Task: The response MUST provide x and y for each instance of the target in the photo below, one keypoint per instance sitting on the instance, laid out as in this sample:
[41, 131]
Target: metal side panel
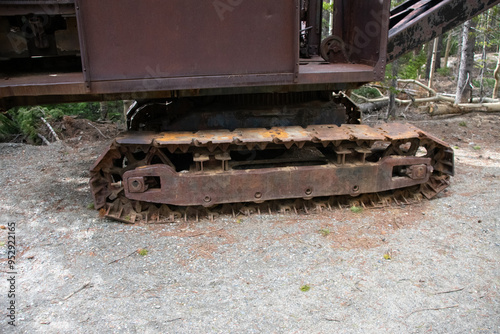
[150, 39]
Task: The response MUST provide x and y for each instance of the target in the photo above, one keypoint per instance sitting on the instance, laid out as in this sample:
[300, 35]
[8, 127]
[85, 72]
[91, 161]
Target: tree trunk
[104, 110]
[484, 29]
[330, 25]
[394, 86]
[429, 60]
[447, 50]
[459, 52]
[469, 61]
[433, 61]
[496, 75]
[483, 67]
[462, 72]
[438, 52]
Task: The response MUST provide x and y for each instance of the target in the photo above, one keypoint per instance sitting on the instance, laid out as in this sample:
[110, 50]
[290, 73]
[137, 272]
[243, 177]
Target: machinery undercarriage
[166, 176]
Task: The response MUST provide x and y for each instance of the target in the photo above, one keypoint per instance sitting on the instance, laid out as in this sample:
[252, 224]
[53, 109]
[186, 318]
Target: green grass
[444, 71]
[305, 288]
[487, 82]
[356, 209]
[324, 232]
[368, 92]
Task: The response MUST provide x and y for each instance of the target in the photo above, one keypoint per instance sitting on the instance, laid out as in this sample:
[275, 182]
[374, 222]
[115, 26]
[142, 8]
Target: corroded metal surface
[208, 188]
[277, 55]
[140, 175]
[192, 48]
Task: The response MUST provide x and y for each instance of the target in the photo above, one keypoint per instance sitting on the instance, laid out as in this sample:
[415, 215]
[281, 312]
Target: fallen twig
[450, 291]
[46, 142]
[301, 241]
[51, 129]
[15, 138]
[334, 320]
[396, 223]
[432, 309]
[202, 233]
[123, 257]
[95, 127]
[86, 285]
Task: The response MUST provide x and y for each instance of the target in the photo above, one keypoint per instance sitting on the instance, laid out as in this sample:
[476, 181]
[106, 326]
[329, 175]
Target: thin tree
[463, 76]
[459, 51]
[429, 48]
[496, 75]
[103, 106]
[433, 60]
[484, 31]
[447, 50]
[393, 89]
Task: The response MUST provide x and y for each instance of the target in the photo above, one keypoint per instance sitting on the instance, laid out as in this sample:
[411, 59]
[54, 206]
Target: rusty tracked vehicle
[239, 104]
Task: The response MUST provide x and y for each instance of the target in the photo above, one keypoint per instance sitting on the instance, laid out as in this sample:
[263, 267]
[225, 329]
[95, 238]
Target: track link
[165, 177]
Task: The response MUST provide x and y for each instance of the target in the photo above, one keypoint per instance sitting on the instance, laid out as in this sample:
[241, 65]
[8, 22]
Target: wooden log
[462, 108]
[443, 109]
[485, 107]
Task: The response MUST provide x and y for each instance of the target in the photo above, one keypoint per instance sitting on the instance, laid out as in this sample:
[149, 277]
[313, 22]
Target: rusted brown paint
[210, 188]
[149, 49]
[315, 133]
[155, 56]
[228, 184]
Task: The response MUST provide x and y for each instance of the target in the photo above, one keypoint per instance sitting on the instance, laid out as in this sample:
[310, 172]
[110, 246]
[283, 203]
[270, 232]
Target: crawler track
[164, 177]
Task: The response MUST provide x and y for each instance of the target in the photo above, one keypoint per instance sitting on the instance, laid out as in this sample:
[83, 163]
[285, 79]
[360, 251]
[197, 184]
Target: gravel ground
[431, 267]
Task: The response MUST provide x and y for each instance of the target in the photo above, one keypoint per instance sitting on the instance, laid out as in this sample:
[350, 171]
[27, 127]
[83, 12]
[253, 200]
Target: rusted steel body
[159, 49]
[346, 160]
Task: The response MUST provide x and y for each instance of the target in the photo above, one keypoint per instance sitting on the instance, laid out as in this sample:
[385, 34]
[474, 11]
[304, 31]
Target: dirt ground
[431, 267]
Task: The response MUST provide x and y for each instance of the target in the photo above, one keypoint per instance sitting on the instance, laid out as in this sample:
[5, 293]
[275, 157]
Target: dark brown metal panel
[149, 48]
[417, 22]
[136, 39]
[359, 35]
